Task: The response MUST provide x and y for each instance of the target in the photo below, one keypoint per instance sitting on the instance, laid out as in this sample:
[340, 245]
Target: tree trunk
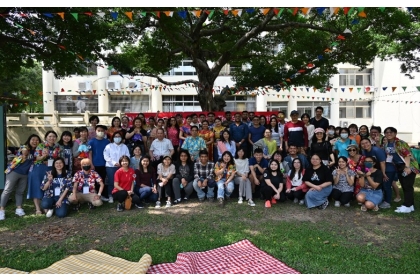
[207, 101]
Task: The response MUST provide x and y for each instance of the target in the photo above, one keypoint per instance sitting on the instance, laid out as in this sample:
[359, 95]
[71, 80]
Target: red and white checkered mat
[242, 257]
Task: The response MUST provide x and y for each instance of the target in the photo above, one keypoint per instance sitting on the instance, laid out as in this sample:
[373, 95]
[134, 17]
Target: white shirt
[113, 152]
[161, 148]
[242, 166]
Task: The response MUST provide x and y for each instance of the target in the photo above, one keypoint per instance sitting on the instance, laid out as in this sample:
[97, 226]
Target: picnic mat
[242, 257]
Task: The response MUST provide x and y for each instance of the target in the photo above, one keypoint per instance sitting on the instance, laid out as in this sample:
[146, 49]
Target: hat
[167, 156]
[294, 112]
[319, 129]
[352, 146]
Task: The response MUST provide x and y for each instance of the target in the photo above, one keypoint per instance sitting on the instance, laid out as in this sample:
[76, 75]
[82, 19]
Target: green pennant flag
[110, 67]
[18, 25]
[361, 9]
[332, 99]
[404, 88]
[358, 89]
[282, 96]
[418, 88]
[211, 14]
[76, 16]
[143, 14]
[280, 12]
[71, 52]
[351, 10]
[333, 44]
[382, 9]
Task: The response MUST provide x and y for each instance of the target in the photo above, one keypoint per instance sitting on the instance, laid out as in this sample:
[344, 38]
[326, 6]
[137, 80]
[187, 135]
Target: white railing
[57, 119]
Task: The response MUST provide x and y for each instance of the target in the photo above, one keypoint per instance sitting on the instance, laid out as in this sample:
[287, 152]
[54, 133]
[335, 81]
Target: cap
[352, 146]
[319, 129]
[294, 112]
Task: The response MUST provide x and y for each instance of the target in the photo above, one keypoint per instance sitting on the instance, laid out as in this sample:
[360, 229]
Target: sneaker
[91, 206]
[157, 204]
[201, 200]
[403, 209]
[221, 202]
[111, 199]
[103, 198]
[251, 203]
[273, 201]
[363, 208]
[376, 208]
[2, 215]
[411, 207]
[140, 205]
[347, 204]
[185, 198]
[397, 199]
[267, 204]
[20, 212]
[384, 205]
[49, 213]
[337, 203]
[177, 201]
[120, 207]
[295, 200]
[323, 205]
[210, 199]
[168, 204]
[241, 200]
[301, 202]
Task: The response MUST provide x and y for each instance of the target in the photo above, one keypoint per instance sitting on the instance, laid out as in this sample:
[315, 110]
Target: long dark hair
[223, 138]
[240, 149]
[231, 161]
[293, 170]
[66, 133]
[276, 127]
[113, 119]
[168, 124]
[183, 151]
[54, 171]
[150, 168]
[27, 143]
[277, 170]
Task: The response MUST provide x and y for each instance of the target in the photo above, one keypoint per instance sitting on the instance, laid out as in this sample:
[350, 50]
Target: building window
[239, 103]
[309, 108]
[355, 109]
[277, 106]
[354, 77]
[76, 103]
[129, 103]
[180, 103]
[187, 63]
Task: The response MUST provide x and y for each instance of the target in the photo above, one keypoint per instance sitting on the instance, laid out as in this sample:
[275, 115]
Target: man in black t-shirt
[319, 120]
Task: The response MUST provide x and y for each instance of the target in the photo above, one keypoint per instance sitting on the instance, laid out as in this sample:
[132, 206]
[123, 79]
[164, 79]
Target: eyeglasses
[388, 132]
[352, 150]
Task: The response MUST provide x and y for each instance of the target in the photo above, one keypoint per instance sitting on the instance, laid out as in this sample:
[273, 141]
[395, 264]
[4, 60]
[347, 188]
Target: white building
[378, 95]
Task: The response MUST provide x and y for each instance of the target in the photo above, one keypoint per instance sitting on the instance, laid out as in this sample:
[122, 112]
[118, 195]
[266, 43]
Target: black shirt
[318, 176]
[323, 149]
[377, 177]
[275, 179]
[323, 123]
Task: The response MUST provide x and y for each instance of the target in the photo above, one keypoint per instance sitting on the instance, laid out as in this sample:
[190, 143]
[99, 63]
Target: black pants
[102, 172]
[407, 184]
[167, 188]
[120, 196]
[155, 162]
[268, 193]
[343, 197]
[296, 194]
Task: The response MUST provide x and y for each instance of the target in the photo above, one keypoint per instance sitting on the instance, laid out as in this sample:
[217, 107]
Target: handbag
[128, 202]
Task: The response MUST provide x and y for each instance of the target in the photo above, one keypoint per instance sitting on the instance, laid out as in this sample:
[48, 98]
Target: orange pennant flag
[129, 15]
[314, 89]
[305, 11]
[362, 14]
[167, 13]
[32, 32]
[81, 58]
[336, 10]
[235, 12]
[393, 88]
[198, 13]
[327, 50]
[351, 89]
[61, 15]
[265, 11]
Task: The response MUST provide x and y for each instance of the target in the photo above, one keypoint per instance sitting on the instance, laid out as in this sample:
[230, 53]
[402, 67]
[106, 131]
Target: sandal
[38, 212]
[363, 208]
[376, 208]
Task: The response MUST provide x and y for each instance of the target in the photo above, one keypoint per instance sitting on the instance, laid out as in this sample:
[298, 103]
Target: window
[187, 63]
[354, 77]
[178, 73]
[189, 73]
[355, 109]
[277, 106]
[240, 103]
[309, 108]
[129, 103]
[180, 103]
[76, 103]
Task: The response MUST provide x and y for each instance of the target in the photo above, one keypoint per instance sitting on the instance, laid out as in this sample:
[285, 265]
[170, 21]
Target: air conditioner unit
[113, 85]
[345, 124]
[134, 85]
[84, 86]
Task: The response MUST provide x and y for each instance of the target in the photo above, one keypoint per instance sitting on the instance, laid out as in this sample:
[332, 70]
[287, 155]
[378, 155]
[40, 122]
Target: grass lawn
[336, 240]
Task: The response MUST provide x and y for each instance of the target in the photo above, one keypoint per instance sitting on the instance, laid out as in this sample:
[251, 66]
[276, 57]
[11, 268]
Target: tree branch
[190, 81]
[277, 27]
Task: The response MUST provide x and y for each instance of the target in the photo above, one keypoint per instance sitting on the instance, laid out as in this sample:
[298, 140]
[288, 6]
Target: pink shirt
[173, 135]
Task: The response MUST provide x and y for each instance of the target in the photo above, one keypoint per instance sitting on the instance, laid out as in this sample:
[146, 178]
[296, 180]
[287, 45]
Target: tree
[154, 42]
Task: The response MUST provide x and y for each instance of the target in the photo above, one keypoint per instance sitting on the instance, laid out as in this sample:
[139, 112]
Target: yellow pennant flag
[129, 15]
[61, 15]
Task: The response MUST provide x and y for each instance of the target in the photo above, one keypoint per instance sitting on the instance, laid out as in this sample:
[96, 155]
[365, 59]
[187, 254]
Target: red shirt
[125, 179]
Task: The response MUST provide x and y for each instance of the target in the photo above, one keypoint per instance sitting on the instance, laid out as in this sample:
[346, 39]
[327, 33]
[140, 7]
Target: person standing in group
[93, 120]
[17, 175]
[225, 144]
[275, 133]
[228, 119]
[241, 177]
[343, 185]
[185, 131]
[135, 159]
[295, 186]
[309, 127]
[354, 133]
[80, 149]
[210, 119]
[295, 132]
[115, 126]
[225, 170]
[208, 137]
[136, 136]
[370, 195]
[66, 146]
[76, 133]
[172, 131]
[245, 119]
[56, 186]
[195, 121]
[112, 154]
[204, 177]
[160, 148]
[331, 137]
[272, 186]
[124, 181]
[267, 144]
[319, 179]
[217, 129]
[194, 144]
[125, 123]
[399, 154]
[45, 154]
[319, 120]
[294, 154]
[322, 147]
[239, 133]
[256, 131]
[96, 156]
[340, 146]
[282, 123]
[184, 177]
[355, 162]
[363, 131]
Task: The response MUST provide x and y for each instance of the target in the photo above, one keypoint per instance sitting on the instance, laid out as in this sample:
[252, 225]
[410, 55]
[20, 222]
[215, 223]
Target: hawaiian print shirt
[59, 182]
[226, 174]
[88, 180]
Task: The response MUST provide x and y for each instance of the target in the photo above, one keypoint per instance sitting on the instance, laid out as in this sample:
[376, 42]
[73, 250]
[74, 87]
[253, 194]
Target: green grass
[336, 240]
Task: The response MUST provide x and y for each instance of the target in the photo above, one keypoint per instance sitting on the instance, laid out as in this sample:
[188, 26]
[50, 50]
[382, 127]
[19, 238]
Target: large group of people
[305, 160]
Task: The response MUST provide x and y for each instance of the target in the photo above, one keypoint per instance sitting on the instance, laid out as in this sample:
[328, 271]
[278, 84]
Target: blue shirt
[302, 158]
[342, 146]
[263, 163]
[238, 132]
[97, 148]
[23, 168]
[256, 133]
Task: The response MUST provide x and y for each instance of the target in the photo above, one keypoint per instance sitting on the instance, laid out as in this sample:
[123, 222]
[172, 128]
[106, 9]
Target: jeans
[146, 193]
[223, 190]
[200, 191]
[110, 172]
[387, 186]
[49, 203]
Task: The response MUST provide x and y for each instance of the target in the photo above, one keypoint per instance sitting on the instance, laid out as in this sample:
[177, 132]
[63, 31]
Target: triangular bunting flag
[320, 10]
[76, 16]
[265, 11]
[101, 14]
[384, 88]
[61, 15]
[280, 12]
[307, 89]
[114, 15]
[226, 12]
[183, 14]
[351, 89]
[343, 89]
[358, 89]
[305, 11]
[197, 13]
[362, 14]
[404, 88]
[48, 15]
[418, 88]
[129, 15]
[211, 14]
[393, 88]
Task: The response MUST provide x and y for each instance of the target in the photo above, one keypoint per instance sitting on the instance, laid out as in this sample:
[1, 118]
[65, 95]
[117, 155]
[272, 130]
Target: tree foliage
[152, 44]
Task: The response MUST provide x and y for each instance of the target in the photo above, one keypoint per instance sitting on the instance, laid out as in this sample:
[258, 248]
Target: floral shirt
[226, 174]
[342, 184]
[194, 145]
[86, 180]
[403, 150]
[58, 186]
[54, 152]
[217, 131]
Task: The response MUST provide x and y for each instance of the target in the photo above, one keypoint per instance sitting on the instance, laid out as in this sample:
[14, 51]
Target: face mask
[344, 135]
[368, 164]
[100, 134]
[363, 134]
[86, 167]
[117, 140]
[331, 132]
